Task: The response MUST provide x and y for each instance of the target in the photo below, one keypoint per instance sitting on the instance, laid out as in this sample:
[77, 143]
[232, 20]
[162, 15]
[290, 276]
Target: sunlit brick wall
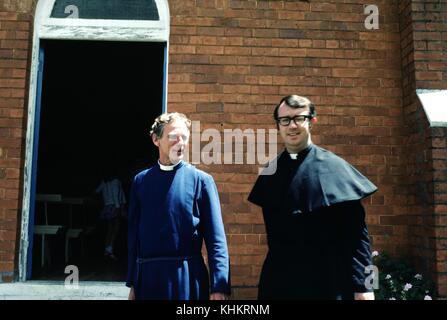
[232, 61]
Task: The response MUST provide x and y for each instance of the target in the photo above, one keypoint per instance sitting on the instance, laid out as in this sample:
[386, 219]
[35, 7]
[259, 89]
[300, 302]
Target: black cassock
[315, 223]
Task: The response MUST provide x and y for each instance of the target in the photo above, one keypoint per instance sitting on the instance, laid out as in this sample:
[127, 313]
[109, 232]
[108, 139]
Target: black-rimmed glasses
[298, 120]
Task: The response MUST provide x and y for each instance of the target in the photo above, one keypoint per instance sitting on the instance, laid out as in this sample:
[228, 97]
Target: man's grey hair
[166, 118]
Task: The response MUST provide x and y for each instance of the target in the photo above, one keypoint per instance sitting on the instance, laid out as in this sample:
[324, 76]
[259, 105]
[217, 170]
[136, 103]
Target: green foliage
[398, 281]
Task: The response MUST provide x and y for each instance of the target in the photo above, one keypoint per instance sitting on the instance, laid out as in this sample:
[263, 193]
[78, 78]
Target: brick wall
[424, 67]
[439, 154]
[417, 181]
[14, 45]
[232, 61]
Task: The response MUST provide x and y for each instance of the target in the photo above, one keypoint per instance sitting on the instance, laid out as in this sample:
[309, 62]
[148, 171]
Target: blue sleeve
[132, 236]
[215, 239]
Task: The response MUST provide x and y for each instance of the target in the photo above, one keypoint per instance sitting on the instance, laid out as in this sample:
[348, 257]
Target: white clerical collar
[167, 168]
[294, 156]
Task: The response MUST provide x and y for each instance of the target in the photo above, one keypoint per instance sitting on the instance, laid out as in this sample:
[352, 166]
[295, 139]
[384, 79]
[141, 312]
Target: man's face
[172, 144]
[295, 137]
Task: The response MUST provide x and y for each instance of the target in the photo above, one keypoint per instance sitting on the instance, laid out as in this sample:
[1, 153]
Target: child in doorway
[114, 207]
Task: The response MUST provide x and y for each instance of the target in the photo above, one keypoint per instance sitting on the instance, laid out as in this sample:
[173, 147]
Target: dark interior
[98, 102]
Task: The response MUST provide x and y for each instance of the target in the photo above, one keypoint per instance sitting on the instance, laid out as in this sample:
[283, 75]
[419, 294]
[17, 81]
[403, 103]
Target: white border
[78, 29]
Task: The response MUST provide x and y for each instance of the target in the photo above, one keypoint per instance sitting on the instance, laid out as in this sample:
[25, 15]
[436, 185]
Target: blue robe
[170, 214]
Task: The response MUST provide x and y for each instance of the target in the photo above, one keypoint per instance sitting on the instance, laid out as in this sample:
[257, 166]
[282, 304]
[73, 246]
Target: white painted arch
[46, 27]
[99, 29]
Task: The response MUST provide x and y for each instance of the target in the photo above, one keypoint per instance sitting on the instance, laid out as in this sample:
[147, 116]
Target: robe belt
[178, 258]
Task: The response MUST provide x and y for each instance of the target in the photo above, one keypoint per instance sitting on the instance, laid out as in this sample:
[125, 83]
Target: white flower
[408, 286]
[427, 297]
[375, 253]
[392, 298]
[388, 276]
[418, 276]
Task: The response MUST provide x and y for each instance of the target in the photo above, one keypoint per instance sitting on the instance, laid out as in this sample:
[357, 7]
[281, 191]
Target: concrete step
[57, 290]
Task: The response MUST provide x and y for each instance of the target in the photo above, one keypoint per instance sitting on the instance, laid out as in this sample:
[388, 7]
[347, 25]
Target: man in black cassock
[315, 222]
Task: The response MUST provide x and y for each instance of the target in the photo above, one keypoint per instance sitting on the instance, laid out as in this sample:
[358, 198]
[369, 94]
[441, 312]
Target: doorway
[98, 101]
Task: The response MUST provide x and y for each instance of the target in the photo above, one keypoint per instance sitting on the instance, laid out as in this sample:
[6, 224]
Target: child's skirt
[109, 212]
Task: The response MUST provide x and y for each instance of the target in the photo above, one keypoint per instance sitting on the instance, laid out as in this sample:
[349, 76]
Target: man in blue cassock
[317, 237]
[173, 208]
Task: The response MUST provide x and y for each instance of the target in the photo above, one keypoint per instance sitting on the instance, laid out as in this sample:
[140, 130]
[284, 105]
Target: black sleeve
[355, 240]
[257, 195]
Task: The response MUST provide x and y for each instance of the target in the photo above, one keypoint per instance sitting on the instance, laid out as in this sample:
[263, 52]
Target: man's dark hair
[295, 101]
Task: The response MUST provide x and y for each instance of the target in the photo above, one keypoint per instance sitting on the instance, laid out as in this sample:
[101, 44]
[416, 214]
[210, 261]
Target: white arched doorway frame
[45, 28]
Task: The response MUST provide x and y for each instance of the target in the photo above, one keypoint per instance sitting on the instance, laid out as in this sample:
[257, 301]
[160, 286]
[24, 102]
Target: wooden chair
[72, 232]
[47, 229]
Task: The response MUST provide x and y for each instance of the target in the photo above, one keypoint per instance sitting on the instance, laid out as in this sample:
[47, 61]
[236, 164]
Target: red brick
[7, 246]
[20, 54]
[4, 16]
[428, 75]
[12, 194]
[14, 25]
[5, 54]
[6, 235]
[440, 154]
[10, 83]
[292, 52]
[12, 93]
[14, 44]
[6, 266]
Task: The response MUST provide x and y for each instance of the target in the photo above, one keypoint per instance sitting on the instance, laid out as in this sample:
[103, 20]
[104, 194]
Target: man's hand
[131, 294]
[218, 296]
[364, 296]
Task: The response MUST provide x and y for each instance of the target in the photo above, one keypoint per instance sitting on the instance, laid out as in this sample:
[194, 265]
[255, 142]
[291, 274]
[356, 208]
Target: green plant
[399, 281]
